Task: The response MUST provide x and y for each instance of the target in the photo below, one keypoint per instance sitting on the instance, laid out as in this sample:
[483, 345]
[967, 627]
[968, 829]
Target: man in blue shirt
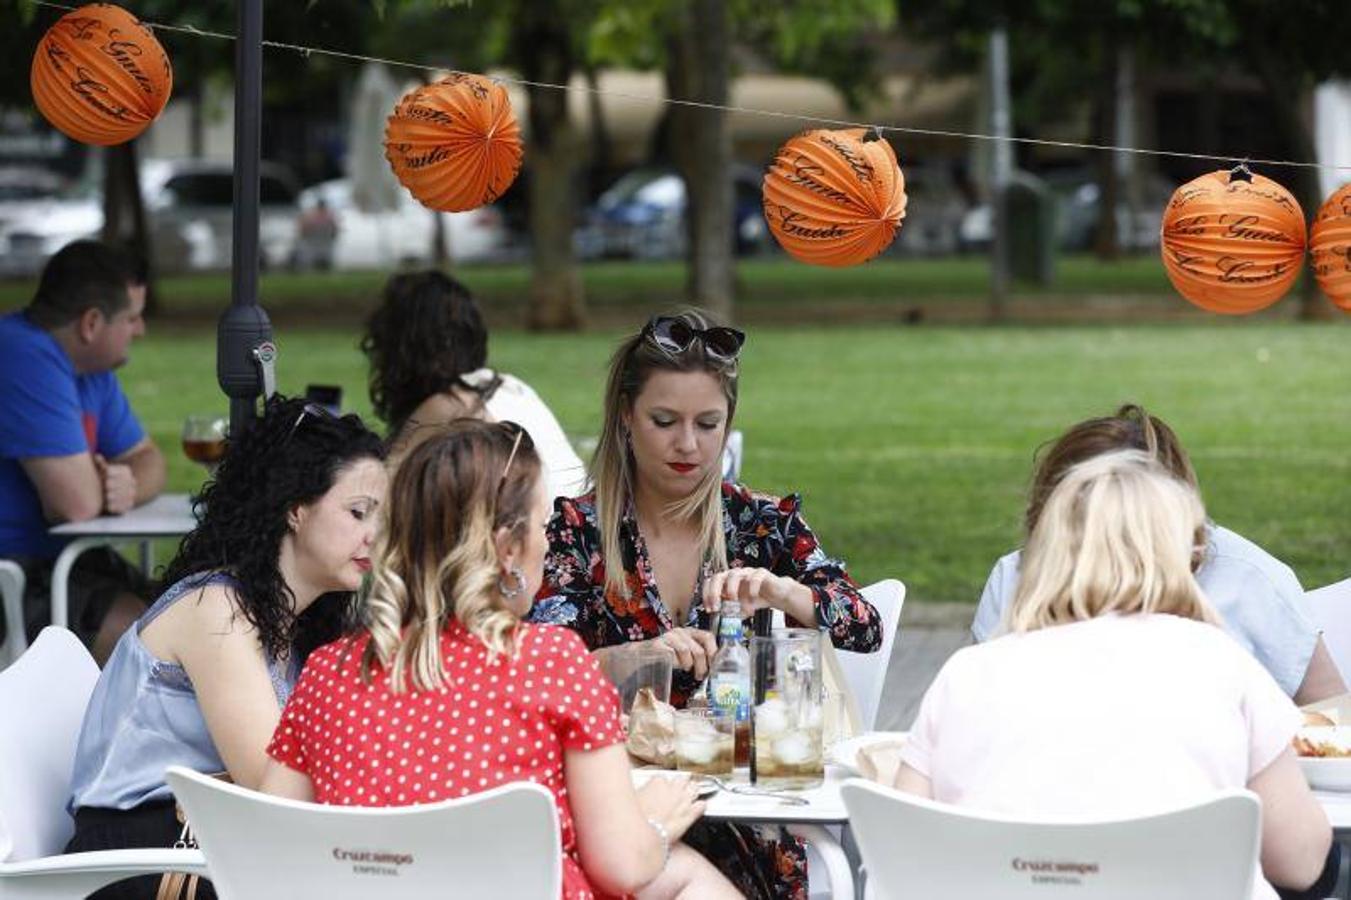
[70, 446]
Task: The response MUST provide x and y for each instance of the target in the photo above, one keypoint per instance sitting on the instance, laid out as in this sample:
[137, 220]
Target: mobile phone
[329, 396]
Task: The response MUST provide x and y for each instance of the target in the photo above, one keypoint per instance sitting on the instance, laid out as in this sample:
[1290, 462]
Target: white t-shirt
[515, 401]
[1111, 717]
[1258, 597]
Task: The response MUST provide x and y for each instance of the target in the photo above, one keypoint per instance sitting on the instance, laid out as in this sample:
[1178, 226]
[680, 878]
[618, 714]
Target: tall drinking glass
[787, 720]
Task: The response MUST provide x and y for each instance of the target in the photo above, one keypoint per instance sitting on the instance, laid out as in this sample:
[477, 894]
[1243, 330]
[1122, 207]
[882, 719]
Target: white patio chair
[867, 672]
[918, 848]
[1330, 609]
[12, 583]
[42, 701]
[500, 843]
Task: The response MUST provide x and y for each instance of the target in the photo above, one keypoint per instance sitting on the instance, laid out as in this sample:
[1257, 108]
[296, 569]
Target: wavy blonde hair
[612, 466]
[437, 557]
[1116, 534]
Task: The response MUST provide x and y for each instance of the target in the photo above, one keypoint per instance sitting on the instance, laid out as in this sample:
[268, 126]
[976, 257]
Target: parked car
[642, 216]
[334, 233]
[189, 204]
[933, 213]
[1078, 199]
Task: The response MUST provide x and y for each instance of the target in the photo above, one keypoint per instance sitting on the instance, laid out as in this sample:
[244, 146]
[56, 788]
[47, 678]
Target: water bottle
[729, 678]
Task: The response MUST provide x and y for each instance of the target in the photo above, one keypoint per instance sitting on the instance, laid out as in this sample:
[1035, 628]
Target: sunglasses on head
[520, 435]
[674, 336]
[311, 410]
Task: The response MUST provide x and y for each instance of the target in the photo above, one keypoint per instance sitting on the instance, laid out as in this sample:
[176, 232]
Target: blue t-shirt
[47, 409]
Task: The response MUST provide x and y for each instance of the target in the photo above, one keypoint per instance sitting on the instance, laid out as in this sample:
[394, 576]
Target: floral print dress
[762, 532]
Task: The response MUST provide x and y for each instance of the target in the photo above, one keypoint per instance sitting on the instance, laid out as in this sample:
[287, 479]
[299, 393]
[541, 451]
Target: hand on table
[119, 485]
[673, 802]
[693, 648]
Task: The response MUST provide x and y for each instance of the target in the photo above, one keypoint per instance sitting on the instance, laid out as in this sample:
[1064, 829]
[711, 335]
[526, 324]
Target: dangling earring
[511, 593]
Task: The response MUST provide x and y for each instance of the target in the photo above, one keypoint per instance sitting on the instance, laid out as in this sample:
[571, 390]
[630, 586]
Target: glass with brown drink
[204, 439]
[787, 718]
[704, 741]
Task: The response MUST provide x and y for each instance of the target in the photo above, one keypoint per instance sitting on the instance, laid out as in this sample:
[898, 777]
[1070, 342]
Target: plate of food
[1324, 753]
[845, 753]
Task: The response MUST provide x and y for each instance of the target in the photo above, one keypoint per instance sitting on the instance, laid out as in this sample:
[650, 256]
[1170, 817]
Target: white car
[341, 236]
[190, 205]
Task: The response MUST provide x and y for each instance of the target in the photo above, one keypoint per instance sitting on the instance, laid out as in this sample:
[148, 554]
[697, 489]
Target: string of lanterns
[1232, 242]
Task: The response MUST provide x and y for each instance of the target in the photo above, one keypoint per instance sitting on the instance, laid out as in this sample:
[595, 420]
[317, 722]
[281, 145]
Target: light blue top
[1258, 597]
[143, 717]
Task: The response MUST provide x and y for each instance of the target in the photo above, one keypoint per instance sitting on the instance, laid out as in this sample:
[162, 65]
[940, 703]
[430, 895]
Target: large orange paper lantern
[1233, 242]
[1330, 243]
[99, 75]
[455, 144]
[834, 198]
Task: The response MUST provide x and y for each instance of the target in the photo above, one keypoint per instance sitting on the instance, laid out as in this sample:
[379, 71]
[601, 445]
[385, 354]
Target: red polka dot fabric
[489, 724]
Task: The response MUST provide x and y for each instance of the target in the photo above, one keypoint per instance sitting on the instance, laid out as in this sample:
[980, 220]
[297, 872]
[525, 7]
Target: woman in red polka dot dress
[446, 692]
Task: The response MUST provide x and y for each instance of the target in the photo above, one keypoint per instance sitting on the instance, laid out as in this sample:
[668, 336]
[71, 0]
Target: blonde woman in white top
[1113, 661]
[428, 350]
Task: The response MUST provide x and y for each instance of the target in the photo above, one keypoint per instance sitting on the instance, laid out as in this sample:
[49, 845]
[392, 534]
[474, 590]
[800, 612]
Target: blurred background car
[335, 233]
[642, 216]
[1077, 202]
[188, 203]
[934, 208]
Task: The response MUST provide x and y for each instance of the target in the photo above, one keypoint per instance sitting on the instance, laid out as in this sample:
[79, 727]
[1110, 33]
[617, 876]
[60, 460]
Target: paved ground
[930, 633]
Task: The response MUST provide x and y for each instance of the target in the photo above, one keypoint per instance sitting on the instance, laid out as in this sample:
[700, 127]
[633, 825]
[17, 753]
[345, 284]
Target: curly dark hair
[426, 333]
[290, 458]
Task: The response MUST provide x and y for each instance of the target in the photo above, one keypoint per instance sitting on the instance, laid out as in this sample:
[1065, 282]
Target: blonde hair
[612, 466]
[437, 556]
[1116, 535]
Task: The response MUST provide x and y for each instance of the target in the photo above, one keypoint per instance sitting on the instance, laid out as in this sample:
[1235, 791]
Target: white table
[1337, 805]
[806, 822]
[168, 515]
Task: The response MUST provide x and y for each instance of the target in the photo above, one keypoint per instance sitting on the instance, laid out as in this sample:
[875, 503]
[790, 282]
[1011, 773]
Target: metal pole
[244, 350]
[1000, 127]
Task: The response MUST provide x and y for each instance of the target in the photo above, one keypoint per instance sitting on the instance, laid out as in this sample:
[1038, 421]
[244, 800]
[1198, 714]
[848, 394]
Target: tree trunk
[701, 145]
[543, 47]
[1106, 240]
[124, 217]
[600, 133]
[1291, 101]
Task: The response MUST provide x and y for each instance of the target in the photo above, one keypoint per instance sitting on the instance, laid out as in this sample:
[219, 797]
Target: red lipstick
[683, 468]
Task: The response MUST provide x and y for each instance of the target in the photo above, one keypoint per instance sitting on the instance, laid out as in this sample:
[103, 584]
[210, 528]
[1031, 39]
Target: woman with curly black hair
[270, 573]
[428, 350]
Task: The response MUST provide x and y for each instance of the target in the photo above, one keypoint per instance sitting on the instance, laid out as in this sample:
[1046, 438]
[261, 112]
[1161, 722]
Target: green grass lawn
[770, 289]
[913, 446]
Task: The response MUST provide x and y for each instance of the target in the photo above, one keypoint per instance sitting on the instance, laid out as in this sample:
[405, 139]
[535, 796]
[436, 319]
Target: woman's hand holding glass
[694, 649]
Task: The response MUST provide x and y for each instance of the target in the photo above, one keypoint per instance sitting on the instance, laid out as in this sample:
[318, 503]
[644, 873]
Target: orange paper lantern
[1233, 242]
[1330, 243]
[834, 198]
[99, 75]
[455, 144]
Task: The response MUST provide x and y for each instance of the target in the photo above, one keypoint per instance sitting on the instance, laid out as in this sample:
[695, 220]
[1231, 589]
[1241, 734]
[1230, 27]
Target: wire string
[746, 110]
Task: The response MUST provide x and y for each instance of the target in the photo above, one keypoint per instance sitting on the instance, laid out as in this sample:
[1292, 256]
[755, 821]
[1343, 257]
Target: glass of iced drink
[704, 741]
[787, 716]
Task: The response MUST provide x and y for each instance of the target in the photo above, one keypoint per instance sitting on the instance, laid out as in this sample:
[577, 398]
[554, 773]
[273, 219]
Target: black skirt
[153, 824]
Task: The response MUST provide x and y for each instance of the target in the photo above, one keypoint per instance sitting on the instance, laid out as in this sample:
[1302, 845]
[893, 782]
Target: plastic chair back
[1330, 609]
[867, 672]
[42, 702]
[913, 847]
[501, 843]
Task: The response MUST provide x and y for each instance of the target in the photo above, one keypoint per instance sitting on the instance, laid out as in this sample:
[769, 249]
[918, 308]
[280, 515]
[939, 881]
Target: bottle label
[730, 696]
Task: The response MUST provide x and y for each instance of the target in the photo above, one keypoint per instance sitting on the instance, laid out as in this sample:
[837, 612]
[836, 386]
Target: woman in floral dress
[661, 541]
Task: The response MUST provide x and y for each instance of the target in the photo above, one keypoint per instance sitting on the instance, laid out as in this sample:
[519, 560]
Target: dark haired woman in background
[268, 575]
[428, 350]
